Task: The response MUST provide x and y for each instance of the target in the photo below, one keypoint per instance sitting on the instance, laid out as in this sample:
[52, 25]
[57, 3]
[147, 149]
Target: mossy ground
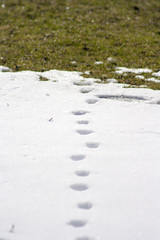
[72, 35]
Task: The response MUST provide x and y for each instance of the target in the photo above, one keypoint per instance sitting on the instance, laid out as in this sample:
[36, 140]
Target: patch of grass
[72, 35]
[41, 78]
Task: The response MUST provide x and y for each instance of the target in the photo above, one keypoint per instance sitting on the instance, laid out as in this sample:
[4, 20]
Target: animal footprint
[79, 187]
[92, 145]
[80, 112]
[92, 101]
[121, 97]
[83, 82]
[83, 122]
[84, 131]
[85, 205]
[82, 173]
[86, 90]
[78, 157]
[77, 223]
[84, 238]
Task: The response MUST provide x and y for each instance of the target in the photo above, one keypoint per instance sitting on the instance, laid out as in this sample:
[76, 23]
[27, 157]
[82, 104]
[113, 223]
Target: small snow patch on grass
[5, 69]
[121, 70]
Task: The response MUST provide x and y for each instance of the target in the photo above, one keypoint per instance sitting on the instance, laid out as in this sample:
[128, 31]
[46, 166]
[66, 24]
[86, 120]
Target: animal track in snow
[80, 112]
[78, 223]
[155, 102]
[78, 157]
[85, 205]
[79, 187]
[92, 101]
[121, 97]
[84, 131]
[82, 173]
[83, 82]
[84, 238]
[92, 145]
[86, 90]
[83, 122]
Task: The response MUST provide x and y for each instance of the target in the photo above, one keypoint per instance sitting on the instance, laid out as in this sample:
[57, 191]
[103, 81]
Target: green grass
[72, 35]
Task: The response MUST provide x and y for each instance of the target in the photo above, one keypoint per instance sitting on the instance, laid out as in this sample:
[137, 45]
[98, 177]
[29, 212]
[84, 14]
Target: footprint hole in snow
[84, 238]
[156, 102]
[79, 112]
[121, 97]
[78, 157]
[92, 145]
[86, 90]
[92, 101]
[83, 82]
[85, 205]
[83, 122]
[78, 223]
[82, 173]
[84, 131]
[79, 187]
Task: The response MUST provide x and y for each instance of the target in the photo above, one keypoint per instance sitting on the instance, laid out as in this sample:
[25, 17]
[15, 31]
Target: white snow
[111, 80]
[140, 77]
[98, 62]
[4, 69]
[78, 160]
[121, 70]
[153, 80]
[157, 74]
[110, 59]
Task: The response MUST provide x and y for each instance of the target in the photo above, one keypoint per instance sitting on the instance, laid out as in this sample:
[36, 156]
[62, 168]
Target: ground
[74, 35]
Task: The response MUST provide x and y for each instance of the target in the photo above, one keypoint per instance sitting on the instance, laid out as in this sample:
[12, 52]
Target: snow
[98, 62]
[111, 80]
[4, 69]
[122, 70]
[153, 80]
[140, 77]
[79, 160]
[157, 74]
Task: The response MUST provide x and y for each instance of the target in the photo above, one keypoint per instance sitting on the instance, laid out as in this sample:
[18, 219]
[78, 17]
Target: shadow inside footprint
[85, 205]
[121, 97]
[79, 187]
[80, 112]
[84, 131]
[83, 82]
[92, 101]
[84, 238]
[82, 173]
[78, 157]
[83, 122]
[92, 145]
[86, 90]
[77, 223]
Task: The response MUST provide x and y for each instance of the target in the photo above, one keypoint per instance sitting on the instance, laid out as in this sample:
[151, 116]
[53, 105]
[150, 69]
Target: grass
[44, 79]
[72, 35]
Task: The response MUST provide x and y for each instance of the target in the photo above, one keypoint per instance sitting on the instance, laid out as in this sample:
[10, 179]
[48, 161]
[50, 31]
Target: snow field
[79, 160]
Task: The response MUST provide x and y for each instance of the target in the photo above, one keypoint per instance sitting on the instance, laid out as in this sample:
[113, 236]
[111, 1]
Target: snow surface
[121, 70]
[153, 80]
[78, 160]
[157, 74]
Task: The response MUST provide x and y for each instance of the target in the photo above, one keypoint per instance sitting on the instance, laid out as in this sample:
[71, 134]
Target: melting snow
[121, 70]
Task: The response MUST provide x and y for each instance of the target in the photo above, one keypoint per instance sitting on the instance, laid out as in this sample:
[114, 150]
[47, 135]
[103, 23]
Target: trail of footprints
[80, 187]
